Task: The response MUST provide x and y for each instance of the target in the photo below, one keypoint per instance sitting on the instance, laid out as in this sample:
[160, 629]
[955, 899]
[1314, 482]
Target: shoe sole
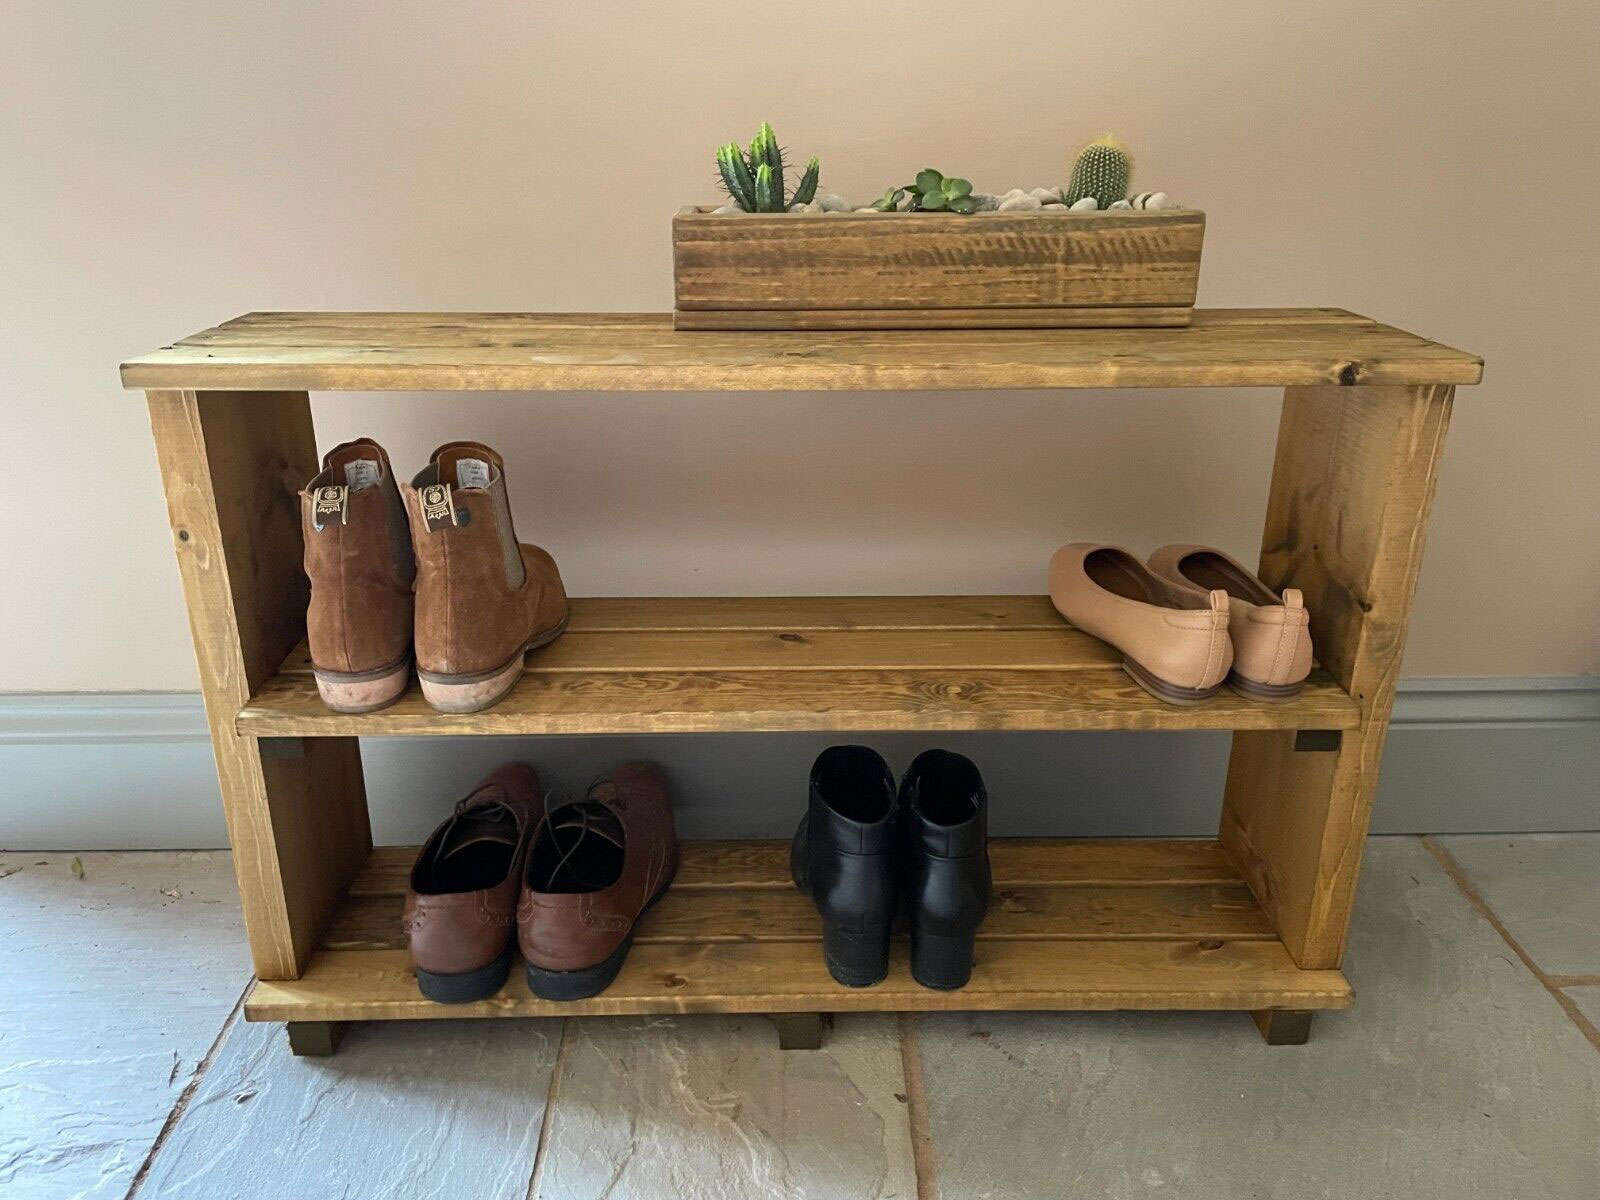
[1271, 693]
[467, 986]
[1168, 693]
[365, 691]
[476, 692]
[583, 982]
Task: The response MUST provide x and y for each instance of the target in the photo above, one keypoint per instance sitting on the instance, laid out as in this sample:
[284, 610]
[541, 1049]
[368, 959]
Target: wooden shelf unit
[1255, 920]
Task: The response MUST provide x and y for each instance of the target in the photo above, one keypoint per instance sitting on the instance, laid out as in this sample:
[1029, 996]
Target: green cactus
[741, 174]
[764, 148]
[768, 197]
[933, 192]
[736, 177]
[806, 191]
[1103, 170]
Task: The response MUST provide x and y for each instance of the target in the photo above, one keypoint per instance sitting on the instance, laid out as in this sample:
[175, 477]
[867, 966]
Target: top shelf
[368, 351]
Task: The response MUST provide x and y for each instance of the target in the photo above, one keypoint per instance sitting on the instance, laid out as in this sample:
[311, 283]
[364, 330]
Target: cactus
[736, 177]
[1103, 170]
[768, 197]
[933, 192]
[742, 175]
[806, 191]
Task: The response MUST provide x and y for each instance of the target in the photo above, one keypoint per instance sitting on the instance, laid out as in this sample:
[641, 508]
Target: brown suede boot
[483, 600]
[358, 557]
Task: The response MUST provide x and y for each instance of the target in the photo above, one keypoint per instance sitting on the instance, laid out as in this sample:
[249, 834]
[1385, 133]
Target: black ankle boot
[944, 810]
[843, 857]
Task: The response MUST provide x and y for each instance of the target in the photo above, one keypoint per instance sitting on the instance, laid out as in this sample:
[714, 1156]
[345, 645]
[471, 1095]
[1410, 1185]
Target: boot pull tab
[438, 506]
[1292, 598]
[332, 500]
[1219, 601]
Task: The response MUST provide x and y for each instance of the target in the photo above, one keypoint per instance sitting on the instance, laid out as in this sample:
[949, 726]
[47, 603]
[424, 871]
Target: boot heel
[942, 961]
[856, 957]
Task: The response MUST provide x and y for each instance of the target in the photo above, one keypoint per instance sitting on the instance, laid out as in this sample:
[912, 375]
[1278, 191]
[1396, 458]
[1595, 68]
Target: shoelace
[594, 816]
[493, 811]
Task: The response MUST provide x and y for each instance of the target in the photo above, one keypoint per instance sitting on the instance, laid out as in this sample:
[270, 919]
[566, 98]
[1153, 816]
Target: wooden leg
[232, 464]
[1284, 1026]
[1351, 491]
[315, 1039]
[799, 1031]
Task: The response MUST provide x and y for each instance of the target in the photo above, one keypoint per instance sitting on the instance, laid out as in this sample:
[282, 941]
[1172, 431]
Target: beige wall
[166, 165]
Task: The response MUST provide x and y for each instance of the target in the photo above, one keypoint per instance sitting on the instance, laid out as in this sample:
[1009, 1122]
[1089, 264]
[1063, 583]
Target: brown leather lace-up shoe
[483, 600]
[461, 905]
[358, 558]
[595, 865]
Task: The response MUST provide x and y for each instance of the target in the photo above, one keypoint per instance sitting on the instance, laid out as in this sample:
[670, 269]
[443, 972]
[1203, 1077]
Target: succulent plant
[934, 192]
[754, 178]
[1102, 170]
[890, 200]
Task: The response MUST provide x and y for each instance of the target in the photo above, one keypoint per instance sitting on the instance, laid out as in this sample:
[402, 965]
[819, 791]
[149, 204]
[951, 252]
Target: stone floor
[1470, 1067]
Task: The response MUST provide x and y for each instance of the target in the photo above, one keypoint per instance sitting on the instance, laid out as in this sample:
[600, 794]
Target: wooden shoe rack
[1254, 920]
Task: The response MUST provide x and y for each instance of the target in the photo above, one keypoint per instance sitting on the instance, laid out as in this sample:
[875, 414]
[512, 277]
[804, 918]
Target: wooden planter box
[935, 270]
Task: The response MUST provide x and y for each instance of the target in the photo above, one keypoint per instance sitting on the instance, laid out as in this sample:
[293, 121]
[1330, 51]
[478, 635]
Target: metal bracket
[1318, 739]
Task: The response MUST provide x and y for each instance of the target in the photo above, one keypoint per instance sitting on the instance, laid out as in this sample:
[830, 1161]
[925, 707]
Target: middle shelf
[804, 663]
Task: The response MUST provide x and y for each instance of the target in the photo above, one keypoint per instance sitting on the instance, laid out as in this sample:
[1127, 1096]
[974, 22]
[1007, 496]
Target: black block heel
[942, 961]
[467, 986]
[856, 957]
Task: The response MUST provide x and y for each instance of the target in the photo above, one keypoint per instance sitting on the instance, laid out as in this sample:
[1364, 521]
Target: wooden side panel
[1352, 489]
[934, 261]
[232, 464]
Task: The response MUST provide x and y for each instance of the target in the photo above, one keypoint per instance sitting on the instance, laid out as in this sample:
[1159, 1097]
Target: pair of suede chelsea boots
[431, 567]
[865, 849]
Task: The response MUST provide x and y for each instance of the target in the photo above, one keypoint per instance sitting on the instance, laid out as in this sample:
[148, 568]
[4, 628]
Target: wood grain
[773, 977]
[795, 701]
[870, 261]
[231, 466]
[632, 352]
[1127, 317]
[1346, 523]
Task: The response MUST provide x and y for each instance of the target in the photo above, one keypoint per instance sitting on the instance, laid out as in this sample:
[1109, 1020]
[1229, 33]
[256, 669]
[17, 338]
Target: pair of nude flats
[1188, 621]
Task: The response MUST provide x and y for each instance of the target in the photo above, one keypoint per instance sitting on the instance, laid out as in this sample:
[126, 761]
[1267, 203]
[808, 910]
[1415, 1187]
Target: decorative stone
[986, 201]
[833, 203]
[1120, 204]
[726, 208]
[1022, 203]
[1087, 204]
[1151, 200]
[1054, 204]
[1046, 195]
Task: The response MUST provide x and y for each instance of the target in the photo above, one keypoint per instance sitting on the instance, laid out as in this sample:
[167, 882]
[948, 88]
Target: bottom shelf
[1123, 924]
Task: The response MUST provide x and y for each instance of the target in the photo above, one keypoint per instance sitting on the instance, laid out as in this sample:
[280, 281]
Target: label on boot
[438, 507]
[472, 473]
[330, 502]
[361, 473]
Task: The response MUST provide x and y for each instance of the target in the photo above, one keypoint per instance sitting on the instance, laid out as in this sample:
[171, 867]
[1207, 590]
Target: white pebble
[1159, 200]
[1087, 204]
[1020, 204]
[1054, 204]
[1014, 192]
[832, 203]
[727, 208]
[985, 201]
[1120, 204]
[1047, 195]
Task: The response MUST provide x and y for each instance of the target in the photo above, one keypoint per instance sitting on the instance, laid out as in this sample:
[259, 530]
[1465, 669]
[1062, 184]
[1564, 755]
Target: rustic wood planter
[992, 270]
